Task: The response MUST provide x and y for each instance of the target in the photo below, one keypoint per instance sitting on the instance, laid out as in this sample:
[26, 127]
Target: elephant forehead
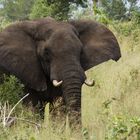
[64, 39]
[65, 33]
[45, 31]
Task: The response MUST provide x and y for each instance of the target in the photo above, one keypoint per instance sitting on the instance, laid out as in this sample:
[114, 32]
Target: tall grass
[114, 101]
[110, 109]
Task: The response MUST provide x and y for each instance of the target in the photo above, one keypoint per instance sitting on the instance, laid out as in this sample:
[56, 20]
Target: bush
[123, 128]
[126, 28]
[136, 16]
[4, 23]
[56, 9]
[11, 90]
[102, 17]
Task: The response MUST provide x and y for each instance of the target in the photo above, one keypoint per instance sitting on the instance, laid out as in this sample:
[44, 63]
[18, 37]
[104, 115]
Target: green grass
[110, 109]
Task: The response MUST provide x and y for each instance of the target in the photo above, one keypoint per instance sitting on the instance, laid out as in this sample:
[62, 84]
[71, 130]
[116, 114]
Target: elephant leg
[33, 103]
[42, 109]
[1, 77]
[57, 112]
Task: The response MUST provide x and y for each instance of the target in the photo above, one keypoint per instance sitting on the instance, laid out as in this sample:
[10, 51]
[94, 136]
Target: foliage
[15, 9]
[61, 9]
[127, 28]
[11, 90]
[102, 17]
[132, 5]
[123, 128]
[4, 23]
[43, 8]
[86, 13]
[115, 9]
[54, 8]
[107, 11]
[23, 9]
[136, 16]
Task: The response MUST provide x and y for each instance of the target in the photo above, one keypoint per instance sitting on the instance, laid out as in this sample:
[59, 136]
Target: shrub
[102, 17]
[123, 128]
[126, 28]
[11, 90]
[4, 23]
[136, 16]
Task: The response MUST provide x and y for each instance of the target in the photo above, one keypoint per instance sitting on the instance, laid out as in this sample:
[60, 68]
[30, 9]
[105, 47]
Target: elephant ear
[99, 43]
[18, 56]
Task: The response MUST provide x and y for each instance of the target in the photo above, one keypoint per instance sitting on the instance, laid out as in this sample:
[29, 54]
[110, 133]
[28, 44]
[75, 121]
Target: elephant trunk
[71, 86]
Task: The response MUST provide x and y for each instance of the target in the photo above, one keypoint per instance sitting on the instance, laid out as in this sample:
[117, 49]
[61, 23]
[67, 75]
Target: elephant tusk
[56, 83]
[89, 82]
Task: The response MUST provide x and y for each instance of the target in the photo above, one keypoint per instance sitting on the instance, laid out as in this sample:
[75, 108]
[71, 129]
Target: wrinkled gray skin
[40, 51]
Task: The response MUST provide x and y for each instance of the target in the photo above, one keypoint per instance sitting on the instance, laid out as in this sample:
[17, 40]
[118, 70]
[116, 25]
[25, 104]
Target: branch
[14, 108]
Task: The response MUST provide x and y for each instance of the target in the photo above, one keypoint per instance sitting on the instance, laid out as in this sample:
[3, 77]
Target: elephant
[50, 58]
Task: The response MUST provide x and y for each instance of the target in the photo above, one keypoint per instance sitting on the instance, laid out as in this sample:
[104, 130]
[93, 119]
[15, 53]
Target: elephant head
[47, 50]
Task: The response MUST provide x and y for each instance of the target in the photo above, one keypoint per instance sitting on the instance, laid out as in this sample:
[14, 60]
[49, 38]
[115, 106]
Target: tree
[132, 4]
[115, 9]
[95, 6]
[25, 9]
[15, 9]
[57, 9]
[43, 8]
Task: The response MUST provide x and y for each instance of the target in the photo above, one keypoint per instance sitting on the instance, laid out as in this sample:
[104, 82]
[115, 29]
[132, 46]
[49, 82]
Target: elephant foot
[57, 113]
[36, 106]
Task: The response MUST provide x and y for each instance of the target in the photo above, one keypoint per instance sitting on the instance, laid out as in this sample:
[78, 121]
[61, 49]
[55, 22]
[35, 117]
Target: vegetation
[10, 90]
[30, 9]
[115, 96]
[12, 10]
[111, 108]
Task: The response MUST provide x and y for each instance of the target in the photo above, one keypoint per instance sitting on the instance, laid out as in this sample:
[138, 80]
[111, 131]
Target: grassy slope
[111, 108]
[116, 96]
